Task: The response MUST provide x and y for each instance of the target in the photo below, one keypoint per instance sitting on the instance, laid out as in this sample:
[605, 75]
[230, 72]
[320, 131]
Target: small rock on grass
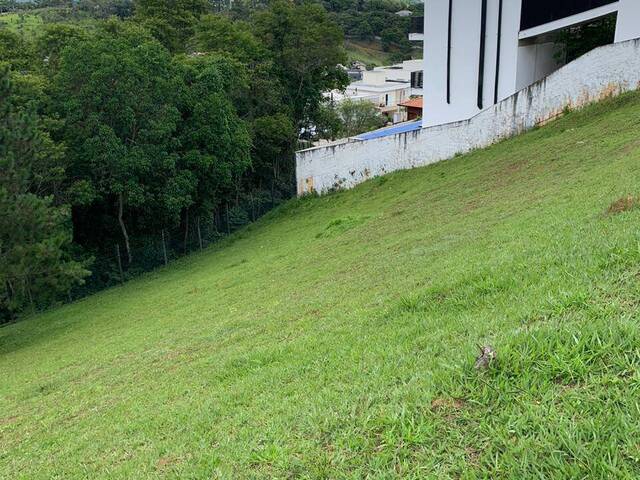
[487, 355]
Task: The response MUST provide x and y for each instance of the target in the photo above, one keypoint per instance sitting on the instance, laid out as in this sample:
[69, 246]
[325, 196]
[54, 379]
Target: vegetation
[34, 236]
[375, 20]
[335, 338]
[368, 52]
[170, 128]
[23, 23]
[349, 118]
[575, 41]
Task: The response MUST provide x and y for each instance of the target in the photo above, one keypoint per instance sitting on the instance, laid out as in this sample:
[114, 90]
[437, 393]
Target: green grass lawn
[336, 337]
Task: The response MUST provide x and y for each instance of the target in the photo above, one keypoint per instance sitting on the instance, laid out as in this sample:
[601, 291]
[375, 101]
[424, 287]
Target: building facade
[478, 52]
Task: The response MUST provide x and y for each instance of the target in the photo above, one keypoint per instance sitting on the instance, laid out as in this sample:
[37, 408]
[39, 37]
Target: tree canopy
[145, 132]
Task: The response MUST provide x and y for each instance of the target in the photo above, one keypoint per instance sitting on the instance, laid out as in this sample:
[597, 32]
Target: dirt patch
[473, 456]
[167, 462]
[470, 206]
[442, 403]
[8, 420]
[506, 174]
[623, 204]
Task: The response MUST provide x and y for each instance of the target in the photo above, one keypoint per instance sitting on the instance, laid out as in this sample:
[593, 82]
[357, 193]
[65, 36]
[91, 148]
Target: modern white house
[490, 72]
[478, 52]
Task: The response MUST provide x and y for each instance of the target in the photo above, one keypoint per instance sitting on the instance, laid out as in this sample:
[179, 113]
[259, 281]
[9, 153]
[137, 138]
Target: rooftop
[412, 103]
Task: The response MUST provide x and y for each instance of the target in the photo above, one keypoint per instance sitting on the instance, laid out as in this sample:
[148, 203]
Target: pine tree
[35, 234]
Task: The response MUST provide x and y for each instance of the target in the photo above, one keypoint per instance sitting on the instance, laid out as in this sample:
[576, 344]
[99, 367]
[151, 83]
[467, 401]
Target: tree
[273, 145]
[358, 117]
[306, 49]
[35, 234]
[576, 41]
[260, 99]
[15, 50]
[217, 33]
[117, 93]
[329, 124]
[215, 143]
[171, 21]
[50, 43]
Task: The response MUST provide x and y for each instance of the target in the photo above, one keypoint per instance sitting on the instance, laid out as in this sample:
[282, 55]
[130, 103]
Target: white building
[478, 52]
[386, 87]
[409, 71]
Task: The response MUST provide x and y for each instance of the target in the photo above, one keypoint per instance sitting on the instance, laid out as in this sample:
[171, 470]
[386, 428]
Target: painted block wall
[604, 72]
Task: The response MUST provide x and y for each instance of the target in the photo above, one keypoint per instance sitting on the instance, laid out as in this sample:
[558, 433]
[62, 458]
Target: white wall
[628, 26]
[603, 72]
[465, 57]
[535, 61]
[509, 48]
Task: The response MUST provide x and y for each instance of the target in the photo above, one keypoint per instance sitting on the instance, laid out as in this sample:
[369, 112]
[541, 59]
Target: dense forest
[128, 140]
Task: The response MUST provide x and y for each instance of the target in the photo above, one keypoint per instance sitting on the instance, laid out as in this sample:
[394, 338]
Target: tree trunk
[119, 262]
[253, 208]
[215, 220]
[186, 230]
[123, 228]
[273, 201]
[199, 235]
[164, 249]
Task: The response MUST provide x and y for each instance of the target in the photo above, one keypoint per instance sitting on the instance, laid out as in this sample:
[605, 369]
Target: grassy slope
[335, 338]
[372, 53]
[367, 52]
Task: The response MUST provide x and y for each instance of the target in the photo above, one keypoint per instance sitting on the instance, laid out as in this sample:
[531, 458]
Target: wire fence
[111, 265]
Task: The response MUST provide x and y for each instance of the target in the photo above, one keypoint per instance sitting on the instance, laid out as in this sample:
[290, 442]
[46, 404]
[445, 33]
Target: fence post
[216, 220]
[186, 230]
[119, 262]
[164, 249]
[253, 207]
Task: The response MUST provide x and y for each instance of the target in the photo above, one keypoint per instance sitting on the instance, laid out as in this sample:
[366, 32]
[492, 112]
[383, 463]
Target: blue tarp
[385, 132]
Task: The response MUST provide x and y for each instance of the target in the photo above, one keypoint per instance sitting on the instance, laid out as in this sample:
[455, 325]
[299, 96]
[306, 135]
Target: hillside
[371, 53]
[335, 338]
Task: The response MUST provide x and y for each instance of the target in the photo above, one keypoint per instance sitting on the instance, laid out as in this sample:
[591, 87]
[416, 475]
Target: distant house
[408, 71]
[412, 108]
[386, 87]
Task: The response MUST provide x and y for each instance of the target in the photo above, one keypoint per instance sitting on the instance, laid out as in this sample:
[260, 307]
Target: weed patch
[341, 225]
[623, 204]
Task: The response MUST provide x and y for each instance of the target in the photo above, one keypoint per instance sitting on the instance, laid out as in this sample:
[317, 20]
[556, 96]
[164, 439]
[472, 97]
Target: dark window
[416, 79]
[417, 25]
[539, 12]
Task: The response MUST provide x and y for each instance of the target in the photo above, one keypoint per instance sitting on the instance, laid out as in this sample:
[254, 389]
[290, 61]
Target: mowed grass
[336, 337]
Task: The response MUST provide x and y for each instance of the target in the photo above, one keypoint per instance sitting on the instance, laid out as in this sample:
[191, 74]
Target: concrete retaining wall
[604, 72]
